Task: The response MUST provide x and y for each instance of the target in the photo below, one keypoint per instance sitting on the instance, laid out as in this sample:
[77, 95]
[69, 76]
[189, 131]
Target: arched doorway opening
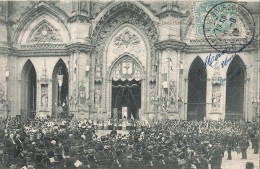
[60, 89]
[197, 82]
[235, 89]
[126, 88]
[28, 90]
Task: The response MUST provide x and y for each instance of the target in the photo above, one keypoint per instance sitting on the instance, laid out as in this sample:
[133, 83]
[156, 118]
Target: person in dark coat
[244, 144]
[230, 146]
[216, 157]
[256, 146]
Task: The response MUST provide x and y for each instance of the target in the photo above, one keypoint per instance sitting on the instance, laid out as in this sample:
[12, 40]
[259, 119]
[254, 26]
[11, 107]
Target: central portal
[126, 98]
[126, 88]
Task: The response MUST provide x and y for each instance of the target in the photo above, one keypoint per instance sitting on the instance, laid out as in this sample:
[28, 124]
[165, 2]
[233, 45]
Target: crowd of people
[73, 143]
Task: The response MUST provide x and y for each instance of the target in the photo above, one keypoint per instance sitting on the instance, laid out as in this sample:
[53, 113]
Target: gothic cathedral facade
[102, 59]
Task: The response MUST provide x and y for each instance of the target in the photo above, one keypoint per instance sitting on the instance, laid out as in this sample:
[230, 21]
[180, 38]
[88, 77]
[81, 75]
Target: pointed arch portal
[235, 89]
[28, 90]
[60, 91]
[197, 82]
[126, 75]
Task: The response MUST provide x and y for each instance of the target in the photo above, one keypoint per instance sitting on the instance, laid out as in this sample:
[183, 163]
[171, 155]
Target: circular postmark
[229, 27]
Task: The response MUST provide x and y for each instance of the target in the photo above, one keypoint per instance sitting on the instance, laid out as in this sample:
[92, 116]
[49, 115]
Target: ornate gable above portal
[123, 13]
[126, 41]
[126, 69]
[126, 38]
[44, 32]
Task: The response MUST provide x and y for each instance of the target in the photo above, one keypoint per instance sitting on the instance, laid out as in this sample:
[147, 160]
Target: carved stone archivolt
[124, 13]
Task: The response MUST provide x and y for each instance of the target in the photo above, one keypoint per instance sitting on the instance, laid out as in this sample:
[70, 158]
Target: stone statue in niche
[216, 99]
[73, 5]
[97, 98]
[82, 94]
[152, 97]
[44, 97]
[84, 6]
[2, 8]
[98, 72]
[215, 79]
[172, 94]
[2, 93]
[164, 99]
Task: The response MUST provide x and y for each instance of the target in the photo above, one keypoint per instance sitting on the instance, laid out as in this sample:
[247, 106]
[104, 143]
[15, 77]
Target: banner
[124, 112]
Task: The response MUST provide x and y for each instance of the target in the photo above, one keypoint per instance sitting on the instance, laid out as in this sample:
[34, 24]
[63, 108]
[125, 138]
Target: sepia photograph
[129, 84]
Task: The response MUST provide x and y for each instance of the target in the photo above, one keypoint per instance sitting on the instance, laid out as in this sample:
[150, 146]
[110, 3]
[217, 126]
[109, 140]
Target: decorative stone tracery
[44, 81]
[124, 13]
[126, 38]
[127, 69]
[44, 32]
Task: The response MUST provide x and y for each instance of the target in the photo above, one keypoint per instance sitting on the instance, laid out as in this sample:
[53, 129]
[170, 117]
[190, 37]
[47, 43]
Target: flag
[132, 117]
[171, 64]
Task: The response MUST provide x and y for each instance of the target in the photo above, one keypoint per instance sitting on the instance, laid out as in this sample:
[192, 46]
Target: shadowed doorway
[235, 90]
[28, 90]
[197, 82]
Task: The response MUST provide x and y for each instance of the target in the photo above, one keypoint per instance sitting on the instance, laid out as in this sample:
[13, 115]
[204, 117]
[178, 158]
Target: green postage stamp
[217, 17]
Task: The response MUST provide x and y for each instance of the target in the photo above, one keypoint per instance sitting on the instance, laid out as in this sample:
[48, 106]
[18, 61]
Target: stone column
[169, 74]
[80, 60]
[170, 46]
[79, 75]
[4, 60]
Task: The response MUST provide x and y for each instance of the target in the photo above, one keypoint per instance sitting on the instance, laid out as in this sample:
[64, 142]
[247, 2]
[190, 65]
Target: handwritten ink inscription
[232, 77]
[211, 60]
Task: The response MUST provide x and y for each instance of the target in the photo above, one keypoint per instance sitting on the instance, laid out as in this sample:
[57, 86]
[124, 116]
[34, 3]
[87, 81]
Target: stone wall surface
[90, 37]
